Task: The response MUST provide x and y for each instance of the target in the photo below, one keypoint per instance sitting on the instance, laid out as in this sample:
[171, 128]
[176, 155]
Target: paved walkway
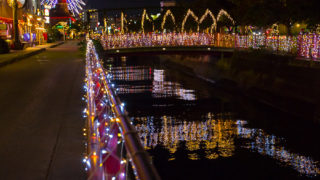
[40, 116]
[15, 55]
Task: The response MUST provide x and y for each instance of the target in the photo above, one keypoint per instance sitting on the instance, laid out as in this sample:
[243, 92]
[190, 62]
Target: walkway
[15, 55]
[40, 116]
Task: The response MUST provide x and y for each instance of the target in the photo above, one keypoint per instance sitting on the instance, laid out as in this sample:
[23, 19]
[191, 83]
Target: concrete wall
[283, 82]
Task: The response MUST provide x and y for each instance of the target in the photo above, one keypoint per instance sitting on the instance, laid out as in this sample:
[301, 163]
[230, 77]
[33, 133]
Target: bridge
[114, 147]
[304, 45]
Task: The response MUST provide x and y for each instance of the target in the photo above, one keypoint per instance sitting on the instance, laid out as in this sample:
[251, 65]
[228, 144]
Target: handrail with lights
[114, 148]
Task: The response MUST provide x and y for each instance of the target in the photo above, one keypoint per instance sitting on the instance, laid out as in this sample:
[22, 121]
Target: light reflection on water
[218, 138]
[160, 88]
[208, 137]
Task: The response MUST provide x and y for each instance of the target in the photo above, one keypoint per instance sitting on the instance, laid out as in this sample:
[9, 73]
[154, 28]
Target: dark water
[197, 130]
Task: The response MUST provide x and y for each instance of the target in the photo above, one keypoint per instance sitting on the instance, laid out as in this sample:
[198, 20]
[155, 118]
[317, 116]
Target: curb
[26, 55]
[55, 45]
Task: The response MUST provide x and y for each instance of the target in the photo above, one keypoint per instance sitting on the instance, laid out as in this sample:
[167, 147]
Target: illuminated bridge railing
[165, 39]
[304, 45]
[114, 149]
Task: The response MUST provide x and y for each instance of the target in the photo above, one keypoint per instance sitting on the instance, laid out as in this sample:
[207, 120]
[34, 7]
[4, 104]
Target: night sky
[100, 4]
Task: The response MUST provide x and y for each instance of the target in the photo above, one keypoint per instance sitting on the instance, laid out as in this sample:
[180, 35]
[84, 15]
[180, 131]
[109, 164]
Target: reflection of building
[30, 21]
[216, 138]
[159, 87]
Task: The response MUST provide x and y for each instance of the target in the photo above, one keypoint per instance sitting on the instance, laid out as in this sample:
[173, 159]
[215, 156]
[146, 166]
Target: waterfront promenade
[40, 115]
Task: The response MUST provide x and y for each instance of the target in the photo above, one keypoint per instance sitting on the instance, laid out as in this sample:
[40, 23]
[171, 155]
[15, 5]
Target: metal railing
[114, 148]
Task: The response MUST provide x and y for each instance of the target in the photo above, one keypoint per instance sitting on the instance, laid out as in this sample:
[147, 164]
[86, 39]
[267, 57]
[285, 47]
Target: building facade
[91, 17]
[30, 21]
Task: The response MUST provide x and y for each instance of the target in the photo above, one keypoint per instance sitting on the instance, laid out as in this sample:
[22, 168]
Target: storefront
[30, 22]
[5, 28]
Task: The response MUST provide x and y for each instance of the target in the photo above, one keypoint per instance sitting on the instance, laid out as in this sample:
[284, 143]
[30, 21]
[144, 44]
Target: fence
[114, 149]
[304, 45]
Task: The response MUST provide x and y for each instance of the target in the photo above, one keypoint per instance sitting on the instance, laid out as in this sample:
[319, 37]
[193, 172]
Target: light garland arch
[190, 13]
[225, 13]
[144, 16]
[209, 13]
[168, 13]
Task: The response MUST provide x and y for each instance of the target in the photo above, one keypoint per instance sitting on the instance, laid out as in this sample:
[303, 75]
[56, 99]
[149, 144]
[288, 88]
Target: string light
[168, 13]
[190, 13]
[103, 123]
[144, 16]
[304, 45]
[209, 13]
[75, 6]
[224, 13]
[151, 40]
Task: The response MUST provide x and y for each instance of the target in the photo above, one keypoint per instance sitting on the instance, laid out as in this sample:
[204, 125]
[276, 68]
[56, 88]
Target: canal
[195, 129]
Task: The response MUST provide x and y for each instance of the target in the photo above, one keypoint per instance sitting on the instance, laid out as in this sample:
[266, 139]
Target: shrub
[83, 47]
[98, 47]
[4, 47]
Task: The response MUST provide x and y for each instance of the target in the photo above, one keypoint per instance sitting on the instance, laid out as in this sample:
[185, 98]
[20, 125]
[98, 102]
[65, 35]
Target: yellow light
[298, 25]
[30, 16]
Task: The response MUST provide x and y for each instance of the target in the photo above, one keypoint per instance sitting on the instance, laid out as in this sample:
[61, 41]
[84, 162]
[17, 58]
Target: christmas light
[196, 19]
[209, 13]
[144, 16]
[224, 13]
[168, 13]
[74, 6]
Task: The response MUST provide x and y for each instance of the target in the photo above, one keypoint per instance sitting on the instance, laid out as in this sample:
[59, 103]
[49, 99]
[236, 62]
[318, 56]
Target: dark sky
[100, 4]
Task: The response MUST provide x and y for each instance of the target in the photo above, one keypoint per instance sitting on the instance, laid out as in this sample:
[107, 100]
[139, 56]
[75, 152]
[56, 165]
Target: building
[167, 3]
[30, 21]
[61, 14]
[91, 17]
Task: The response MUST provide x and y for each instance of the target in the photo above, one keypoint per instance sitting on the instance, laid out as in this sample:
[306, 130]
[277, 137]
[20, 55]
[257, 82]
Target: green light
[59, 27]
[154, 17]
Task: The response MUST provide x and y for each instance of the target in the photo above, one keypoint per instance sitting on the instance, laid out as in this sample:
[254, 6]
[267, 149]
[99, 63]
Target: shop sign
[47, 20]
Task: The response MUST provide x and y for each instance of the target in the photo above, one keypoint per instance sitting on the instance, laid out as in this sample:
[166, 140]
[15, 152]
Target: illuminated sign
[47, 7]
[47, 20]
[46, 12]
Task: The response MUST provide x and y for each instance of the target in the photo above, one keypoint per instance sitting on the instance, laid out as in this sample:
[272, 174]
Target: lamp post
[16, 40]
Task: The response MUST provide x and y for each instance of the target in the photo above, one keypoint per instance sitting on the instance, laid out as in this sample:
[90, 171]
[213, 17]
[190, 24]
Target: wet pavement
[40, 116]
[198, 130]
